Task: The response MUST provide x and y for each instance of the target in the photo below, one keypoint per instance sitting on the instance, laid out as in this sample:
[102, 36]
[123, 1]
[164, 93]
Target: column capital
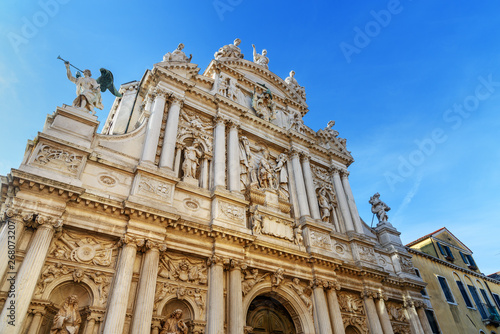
[158, 245]
[131, 240]
[319, 283]
[344, 173]
[220, 120]
[49, 222]
[382, 295]
[235, 264]
[160, 92]
[419, 304]
[367, 293]
[295, 153]
[232, 124]
[334, 170]
[304, 157]
[334, 285]
[17, 214]
[176, 99]
[216, 259]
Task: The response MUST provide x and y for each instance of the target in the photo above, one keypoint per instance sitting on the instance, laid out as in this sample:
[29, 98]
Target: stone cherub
[67, 320]
[379, 208]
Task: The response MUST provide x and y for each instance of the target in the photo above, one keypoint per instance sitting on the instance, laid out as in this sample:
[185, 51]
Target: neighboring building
[463, 299]
[204, 206]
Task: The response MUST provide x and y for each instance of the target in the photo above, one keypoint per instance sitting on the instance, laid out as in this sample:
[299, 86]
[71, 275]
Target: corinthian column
[385, 321]
[143, 311]
[334, 308]
[299, 182]
[10, 235]
[344, 207]
[321, 307]
[415, 325]
[424, 321]
[154, 127]
[371, 312]
[311, 193]
[117, 304]
[233, 158]
[215, 316]
[350, 201]
[28, 275]
[219, 169]
[235, 306]
[38, 313]
[168, 148]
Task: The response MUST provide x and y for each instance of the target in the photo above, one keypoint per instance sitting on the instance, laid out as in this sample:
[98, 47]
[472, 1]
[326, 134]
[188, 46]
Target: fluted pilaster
[219, 169]
[143, 311]
[29, 273]
[320, 306]
[358, 227]
[215, 315]
[10, 234]
[383, 315]
[311, 193]
[371, 312]
[235, 295]
[117, 303]
[300, 185]
[344, 207]
[334, 308]
[154, 127]
[424, 321]
[233, 158]
[169, 140]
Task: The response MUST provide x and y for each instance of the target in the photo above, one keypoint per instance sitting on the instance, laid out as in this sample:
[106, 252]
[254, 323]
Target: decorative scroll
[59, 159]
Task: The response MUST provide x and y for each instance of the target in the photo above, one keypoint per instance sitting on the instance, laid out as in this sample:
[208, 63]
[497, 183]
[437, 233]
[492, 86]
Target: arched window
[463, 290]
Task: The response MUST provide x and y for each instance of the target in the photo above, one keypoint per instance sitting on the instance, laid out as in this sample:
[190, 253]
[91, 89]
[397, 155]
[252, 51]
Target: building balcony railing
[489, 314]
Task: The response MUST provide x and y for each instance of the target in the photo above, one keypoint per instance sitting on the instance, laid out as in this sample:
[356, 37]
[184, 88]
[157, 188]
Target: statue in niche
[266, 172]
[292, 82]
[250, 279]
[174, 324]
[277, 277]
[177, 55]
[379, 208]
[280, 169]
[303, 292]
[229, 51]
[67, 320]
[198, 299]
[192, 154]
[324, 205]
[221, 86]
[88, 91]
[296, 122]
[256, 222]
[261, 60]
[247, 162]
[264, 105]
[298, 237]
[234, 93]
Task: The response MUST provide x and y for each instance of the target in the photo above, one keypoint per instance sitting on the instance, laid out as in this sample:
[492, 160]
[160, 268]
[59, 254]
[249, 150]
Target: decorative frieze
[183, 269]
[56, 158]
[320, 240]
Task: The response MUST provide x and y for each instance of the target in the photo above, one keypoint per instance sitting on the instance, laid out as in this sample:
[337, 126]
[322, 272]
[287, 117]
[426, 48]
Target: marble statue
[281, 170]
[177, 55]
[277, 277]
[261, 60]
[88, 91]
[174, 324]
[221, 86]
[292, 82]
[330, 130]
[299, 238]
[250, 279]
[302, 292]
[234, 93]
[264, 105]
[191, 159]
[266, 172]
[324, 205]
[229, 51]
[67, 320]
[296, 122]
[379, 208]
[256, 222]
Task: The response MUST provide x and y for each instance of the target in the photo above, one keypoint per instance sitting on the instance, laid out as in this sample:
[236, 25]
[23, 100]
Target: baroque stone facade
[206, 205]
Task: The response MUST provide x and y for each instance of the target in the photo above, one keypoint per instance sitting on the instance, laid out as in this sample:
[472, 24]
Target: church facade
[205, 205]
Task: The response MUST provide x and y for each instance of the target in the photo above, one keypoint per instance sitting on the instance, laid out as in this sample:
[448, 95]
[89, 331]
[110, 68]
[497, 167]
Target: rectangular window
[497, 299]
[446, 290]
[485, 297]
[471, 260]
[441, 248]
[448, 252]
[423, 292]
[432, 321]
[464, 258]
[467, 300]
[479, 305]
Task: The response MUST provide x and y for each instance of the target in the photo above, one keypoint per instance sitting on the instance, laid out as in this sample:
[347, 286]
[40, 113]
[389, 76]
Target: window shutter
[463, 258]
[448, 252]
[446, 289]
[467, 300]
[441, 248]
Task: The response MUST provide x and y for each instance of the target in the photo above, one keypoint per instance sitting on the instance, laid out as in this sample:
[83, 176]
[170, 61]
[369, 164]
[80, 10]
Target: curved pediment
[256, 75]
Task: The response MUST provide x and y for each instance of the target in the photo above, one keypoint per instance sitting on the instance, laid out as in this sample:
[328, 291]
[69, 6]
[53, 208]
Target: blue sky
[414, 86]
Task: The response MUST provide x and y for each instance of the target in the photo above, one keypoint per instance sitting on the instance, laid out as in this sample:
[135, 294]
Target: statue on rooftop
[379, 208]
[88, 91]
[261, 60]
[292, 82]
[229, 51]
[177, 55]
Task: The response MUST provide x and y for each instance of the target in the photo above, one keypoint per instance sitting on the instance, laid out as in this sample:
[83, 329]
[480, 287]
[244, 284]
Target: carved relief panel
[353, 310]
[58, 159]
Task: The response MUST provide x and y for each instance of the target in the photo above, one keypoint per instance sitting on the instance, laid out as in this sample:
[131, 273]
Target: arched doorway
[351, 330]
[266, 315]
